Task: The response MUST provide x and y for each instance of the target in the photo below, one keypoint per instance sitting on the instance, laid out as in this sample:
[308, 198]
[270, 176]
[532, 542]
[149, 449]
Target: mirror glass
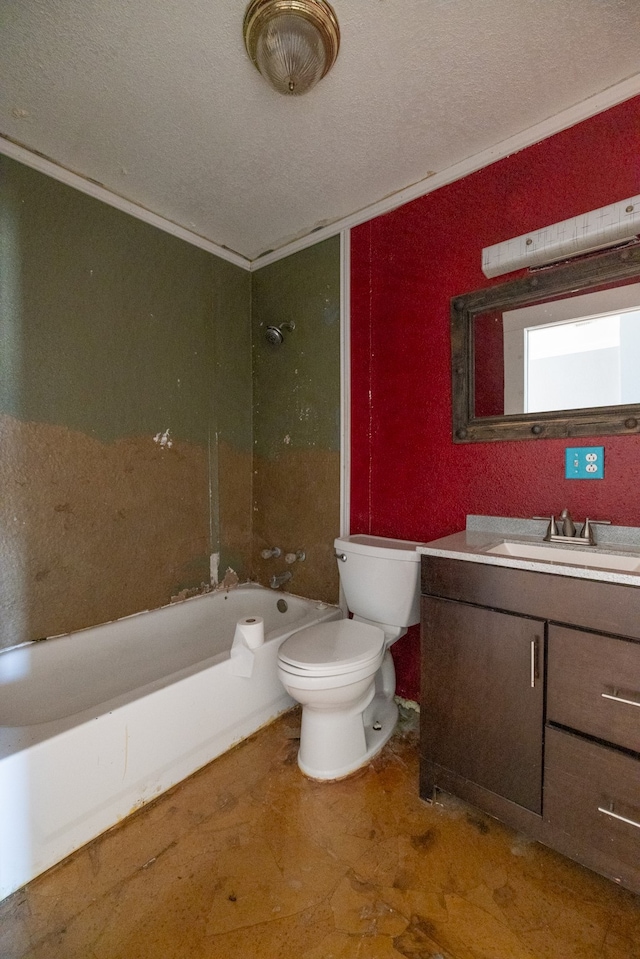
[568, 353]
[556, 353]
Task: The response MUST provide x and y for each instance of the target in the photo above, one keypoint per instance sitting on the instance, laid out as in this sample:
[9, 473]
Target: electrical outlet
[584, 462]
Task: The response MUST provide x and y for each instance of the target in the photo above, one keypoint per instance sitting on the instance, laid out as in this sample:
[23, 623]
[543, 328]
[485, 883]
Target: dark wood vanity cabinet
[531, 717]
[485, 697]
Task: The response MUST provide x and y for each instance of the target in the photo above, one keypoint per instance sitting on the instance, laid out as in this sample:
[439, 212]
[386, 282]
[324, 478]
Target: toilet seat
[334, 648]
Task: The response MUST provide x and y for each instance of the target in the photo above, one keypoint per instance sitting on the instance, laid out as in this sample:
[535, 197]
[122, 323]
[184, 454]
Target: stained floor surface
[248, 859]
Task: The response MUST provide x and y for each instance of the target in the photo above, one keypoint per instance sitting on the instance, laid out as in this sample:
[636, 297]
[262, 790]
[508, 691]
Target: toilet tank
[380, 578]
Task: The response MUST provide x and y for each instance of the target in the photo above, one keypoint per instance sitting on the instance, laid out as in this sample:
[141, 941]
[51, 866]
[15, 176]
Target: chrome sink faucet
[565, 529]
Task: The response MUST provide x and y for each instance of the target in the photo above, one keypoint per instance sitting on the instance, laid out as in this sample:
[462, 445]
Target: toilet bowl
[342, 672]
[330, 670]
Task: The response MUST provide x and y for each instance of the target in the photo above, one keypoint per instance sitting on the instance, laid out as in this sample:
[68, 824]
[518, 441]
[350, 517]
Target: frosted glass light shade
[293, 43]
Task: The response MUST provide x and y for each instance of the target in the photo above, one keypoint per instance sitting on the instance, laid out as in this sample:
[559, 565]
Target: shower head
[274, 335]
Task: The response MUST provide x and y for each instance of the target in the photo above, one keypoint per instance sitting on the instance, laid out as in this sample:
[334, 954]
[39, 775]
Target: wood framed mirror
[553, 354]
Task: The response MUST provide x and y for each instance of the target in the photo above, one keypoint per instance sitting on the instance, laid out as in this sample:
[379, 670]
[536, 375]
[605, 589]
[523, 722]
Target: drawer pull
[615, 815]
[620, 699]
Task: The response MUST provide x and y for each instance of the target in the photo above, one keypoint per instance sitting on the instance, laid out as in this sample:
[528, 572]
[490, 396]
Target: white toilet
[342, 672]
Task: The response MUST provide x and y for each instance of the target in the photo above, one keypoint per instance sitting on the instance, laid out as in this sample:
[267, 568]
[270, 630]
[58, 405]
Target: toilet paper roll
[251, 629]
[248, 636]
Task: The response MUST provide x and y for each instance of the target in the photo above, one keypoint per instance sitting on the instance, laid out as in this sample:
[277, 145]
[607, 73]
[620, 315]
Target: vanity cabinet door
[482, 697]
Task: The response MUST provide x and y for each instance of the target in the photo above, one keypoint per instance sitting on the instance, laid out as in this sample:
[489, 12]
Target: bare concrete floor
[248, 859]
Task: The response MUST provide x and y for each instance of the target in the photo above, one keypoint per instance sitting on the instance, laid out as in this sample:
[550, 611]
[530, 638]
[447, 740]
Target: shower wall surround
[296, 478]
[125, 396]
[126, 415]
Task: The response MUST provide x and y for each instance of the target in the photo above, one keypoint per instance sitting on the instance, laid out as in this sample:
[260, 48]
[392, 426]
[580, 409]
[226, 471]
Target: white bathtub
[97, 723]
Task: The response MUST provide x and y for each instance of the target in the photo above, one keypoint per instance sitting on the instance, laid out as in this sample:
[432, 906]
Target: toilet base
[363, 740]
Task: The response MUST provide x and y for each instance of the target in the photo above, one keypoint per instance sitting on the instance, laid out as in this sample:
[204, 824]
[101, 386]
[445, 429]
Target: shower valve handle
[274, 553]
[299, 556]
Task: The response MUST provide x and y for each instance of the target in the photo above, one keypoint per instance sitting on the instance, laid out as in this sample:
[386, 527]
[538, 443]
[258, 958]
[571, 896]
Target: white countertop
[485, 532]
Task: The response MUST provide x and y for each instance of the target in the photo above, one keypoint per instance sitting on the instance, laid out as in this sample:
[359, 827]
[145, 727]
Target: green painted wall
[110, 318]
[297, 385]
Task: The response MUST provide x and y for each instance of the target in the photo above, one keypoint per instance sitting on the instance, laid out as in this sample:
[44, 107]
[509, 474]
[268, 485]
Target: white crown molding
[38, 162]
[561, 121]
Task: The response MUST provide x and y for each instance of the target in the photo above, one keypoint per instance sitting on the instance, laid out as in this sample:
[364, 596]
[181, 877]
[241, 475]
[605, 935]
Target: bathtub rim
[19, 738]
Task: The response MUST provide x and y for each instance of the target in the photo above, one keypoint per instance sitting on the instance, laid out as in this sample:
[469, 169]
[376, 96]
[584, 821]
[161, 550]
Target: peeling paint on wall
[231, 579]
[163, 440]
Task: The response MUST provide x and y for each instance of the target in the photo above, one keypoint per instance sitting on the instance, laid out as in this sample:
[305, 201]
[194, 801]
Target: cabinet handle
[615, 815]
[620, 699]
[534, 662]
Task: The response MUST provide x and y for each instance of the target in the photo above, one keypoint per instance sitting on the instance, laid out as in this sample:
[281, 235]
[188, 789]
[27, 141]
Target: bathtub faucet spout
[277, 581]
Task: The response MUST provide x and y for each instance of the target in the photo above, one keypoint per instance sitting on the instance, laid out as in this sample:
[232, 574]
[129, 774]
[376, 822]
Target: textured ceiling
[158, 101]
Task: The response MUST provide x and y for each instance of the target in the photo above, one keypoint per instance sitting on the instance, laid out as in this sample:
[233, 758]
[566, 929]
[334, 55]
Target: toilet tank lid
[399, 549]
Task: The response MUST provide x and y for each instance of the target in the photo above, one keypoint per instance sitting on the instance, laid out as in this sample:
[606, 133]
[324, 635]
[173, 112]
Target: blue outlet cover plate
[584, 462]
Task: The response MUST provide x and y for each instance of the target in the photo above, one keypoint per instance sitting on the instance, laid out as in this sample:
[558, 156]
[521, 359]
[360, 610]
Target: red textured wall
[409, 479]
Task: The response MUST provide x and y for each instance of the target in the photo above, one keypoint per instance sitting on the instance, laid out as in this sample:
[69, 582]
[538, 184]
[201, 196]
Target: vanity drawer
[593, 790]
[593, 685]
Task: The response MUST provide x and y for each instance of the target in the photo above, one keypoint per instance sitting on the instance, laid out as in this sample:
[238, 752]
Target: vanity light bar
[581, 234]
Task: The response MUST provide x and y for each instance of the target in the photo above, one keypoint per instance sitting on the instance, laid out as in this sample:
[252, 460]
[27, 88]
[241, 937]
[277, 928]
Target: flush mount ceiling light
[293, 43]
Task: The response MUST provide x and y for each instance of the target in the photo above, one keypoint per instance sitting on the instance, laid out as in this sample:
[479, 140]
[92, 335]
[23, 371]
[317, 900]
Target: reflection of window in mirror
[569, 354]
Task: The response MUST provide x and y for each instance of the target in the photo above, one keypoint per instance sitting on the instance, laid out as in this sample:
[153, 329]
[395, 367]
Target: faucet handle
[298, 557]
[274, 553]
[552, 528]
[587, 533]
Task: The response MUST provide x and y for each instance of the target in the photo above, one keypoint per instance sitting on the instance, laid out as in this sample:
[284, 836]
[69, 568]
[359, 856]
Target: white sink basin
[569, 556]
